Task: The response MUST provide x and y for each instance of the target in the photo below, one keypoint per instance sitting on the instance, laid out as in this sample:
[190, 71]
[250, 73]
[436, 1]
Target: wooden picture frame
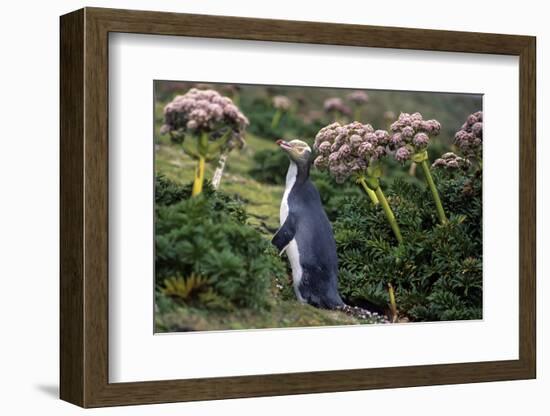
[84, 207]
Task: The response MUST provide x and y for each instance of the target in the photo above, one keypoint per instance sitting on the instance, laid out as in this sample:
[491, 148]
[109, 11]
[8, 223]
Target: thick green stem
[357, 114]
[435, 194]
[393, 303]
[389, 214]
[276, 118]
[202, 147]
[370, 192]
[199, 177]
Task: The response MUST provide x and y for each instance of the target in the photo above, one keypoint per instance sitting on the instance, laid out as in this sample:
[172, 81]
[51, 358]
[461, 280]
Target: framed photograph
[257, 207]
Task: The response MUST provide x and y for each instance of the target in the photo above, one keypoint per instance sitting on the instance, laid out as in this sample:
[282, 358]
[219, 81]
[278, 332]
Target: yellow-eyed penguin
[306, 234]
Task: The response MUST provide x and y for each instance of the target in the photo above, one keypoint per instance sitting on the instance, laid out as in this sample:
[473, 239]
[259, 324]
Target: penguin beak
[284, 145]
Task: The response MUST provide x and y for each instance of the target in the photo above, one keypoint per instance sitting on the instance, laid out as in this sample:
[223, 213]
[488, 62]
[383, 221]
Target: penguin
[305, 233]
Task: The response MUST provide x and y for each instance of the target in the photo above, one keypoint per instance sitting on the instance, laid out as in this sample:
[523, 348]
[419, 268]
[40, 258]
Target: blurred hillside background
[307, 115]
[257, 172]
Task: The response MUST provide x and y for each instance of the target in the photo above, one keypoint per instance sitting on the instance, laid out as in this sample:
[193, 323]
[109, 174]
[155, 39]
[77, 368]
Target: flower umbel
[349, 149]
[389, 115]
[358, 97]
[469, 138]
[336, 106]
[353, 150]
[281, 102]
[214, 121]
[451, 161]
[359, 100]
[200, 111]
[412, 132]
[410, 140]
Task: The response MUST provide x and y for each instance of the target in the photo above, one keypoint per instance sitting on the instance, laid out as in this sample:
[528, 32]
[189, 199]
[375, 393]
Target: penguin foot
[361, 313]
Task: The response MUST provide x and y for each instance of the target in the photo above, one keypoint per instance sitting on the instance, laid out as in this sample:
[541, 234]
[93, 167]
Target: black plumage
[306, 234]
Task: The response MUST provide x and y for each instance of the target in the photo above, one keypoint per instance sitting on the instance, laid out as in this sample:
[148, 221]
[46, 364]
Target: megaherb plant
[434, 273]
[469, 141]
[336, 108]
[359, 100]
[282, 105]
[409, 141]
[355, 151]
[470, 136]
[207, 125]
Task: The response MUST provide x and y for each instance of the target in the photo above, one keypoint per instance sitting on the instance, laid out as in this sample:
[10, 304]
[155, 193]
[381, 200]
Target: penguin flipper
[284, 235]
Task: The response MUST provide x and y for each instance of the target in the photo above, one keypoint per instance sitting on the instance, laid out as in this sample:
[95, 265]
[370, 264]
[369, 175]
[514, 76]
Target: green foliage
[260, 113]
[260, 120]
[436, 271]
[168, 192]
[270, 166]
[184, 288]
[194, 290]
[208, 236]
[333, 195]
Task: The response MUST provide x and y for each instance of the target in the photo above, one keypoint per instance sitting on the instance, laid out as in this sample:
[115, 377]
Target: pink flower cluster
[347, 150]
[389, 115]
[281, 102]
[358, 97]
[313, 116]
[451, 161]
[411, 134]
[336, 104]
[470, 136]
[202, 111]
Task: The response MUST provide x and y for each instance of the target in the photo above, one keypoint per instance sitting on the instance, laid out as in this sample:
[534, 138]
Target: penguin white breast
[294, 258]
[290, 180]
[292, 251]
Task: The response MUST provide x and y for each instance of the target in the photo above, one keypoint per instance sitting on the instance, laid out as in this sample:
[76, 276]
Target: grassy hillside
[262, 200]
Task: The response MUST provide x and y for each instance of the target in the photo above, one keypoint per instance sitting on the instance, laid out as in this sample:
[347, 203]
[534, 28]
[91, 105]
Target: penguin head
[297, 150]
